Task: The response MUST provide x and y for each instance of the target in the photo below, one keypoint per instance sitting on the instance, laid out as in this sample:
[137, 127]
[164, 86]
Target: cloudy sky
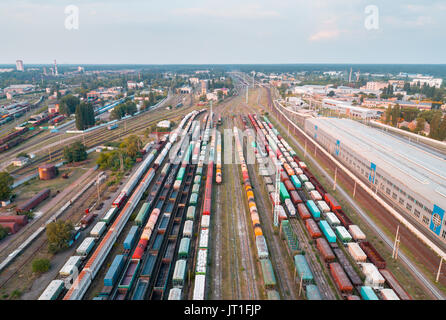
[230, 31]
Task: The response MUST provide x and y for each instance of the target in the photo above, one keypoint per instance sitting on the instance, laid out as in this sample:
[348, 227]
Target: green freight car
[183, 250]
[268, 274]
[142, 214]
[180, 174]
[190, 213]
[283, 192]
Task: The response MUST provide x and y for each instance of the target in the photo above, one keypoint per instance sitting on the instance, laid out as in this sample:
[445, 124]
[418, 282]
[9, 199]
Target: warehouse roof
[417, 169]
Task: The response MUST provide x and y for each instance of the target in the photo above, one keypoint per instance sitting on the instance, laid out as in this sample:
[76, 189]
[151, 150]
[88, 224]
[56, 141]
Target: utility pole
[396, 244]
[276, 197]
[97, 183]
[354, 190]
[439, 269]
[305, 154]
[300, 285]
[335, 176]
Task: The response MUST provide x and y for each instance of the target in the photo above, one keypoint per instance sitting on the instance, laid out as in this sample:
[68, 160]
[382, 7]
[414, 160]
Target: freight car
[373, 254]
[53, 291]
[303, 269]
[312, 228]
[312, 292]
[325, 250]
[340, 278]
[114, 271]
[394, 284]
[303, 211]
[269, 279]
[34, 201]
[327, 231]
[351, 273]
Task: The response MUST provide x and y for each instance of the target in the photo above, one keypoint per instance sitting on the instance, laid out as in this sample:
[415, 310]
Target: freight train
[319, 208]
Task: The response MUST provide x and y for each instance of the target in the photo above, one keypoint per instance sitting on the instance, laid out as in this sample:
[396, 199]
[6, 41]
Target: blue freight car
[314, 210]
[312, 292]
[327, 231]
[296, 182]
[303, 269]
[114, 271]
[367, 293]
[130, 239]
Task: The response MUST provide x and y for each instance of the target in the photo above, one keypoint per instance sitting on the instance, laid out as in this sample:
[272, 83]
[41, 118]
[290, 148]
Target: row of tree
[435, 118]
[126, 108]
[123, 157]
[75, 152]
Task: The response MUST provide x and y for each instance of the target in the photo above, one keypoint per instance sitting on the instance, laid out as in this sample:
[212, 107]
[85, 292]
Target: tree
[220, 95]
[68, 104]
[84, 116]
[41, 265]
[75, 152]
[3, 232]
[6, 181]
[58, 234]
[435, 126]
[442, 130]
[132, 145]
[420, 125]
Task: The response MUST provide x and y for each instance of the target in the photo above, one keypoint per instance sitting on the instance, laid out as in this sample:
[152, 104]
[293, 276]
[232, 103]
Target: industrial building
[347, 109]
[413, 179]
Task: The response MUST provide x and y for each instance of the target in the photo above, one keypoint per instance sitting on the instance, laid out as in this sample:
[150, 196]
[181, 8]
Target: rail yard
[232, 203]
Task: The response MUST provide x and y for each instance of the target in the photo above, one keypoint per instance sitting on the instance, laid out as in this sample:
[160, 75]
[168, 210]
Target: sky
[223, 32]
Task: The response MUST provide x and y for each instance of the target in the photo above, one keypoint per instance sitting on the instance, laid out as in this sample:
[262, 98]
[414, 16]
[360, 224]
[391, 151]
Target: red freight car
[340, 278]
[334, 205]
[284, 176]
[346, 222]
[394, 284]
[325, 250]
[303, 211]
[20, 220]
[207, 207]
[372, 254]
[34, 201]
[12, 227]
[289, 185]
[295, 198]
[140, 248]
[312, 228]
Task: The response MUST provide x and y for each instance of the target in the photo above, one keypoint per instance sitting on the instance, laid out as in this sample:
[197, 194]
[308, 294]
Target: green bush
[41, 265]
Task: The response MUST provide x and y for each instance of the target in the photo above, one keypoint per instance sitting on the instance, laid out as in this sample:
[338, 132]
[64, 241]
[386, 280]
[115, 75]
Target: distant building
[20, 161]
[194, 80]
[19, 65]
[53, 107]
[204, 86]
[19, 88]
[135, 85]
[164, 124]
[345, 108]
[185, 90]
[430, 81]
[375, 85]
[212, 96]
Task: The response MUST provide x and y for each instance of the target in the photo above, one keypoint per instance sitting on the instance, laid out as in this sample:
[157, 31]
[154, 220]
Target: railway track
[246, 251]
[101, 135]
[41, 241]
[320, 278]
